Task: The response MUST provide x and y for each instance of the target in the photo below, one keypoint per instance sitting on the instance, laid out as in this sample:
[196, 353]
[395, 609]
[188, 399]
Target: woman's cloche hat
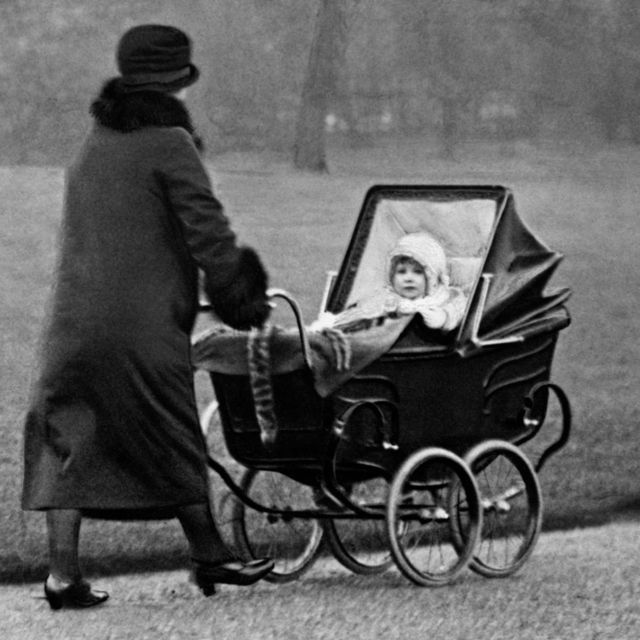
[154, 57]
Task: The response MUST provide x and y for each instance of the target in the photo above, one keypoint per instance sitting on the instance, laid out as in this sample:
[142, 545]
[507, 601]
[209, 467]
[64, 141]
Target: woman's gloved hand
[243, 303]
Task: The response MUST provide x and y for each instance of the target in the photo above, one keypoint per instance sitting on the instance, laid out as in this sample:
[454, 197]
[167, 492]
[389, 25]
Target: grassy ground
[578, 584]
[581, 201]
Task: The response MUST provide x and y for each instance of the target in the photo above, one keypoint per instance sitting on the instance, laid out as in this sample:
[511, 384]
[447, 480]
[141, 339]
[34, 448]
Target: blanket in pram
[334, 357]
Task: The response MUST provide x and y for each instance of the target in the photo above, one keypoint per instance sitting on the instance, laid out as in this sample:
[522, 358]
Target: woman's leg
[65, 587]
[205, 542]
[213, 563]
[63, 526]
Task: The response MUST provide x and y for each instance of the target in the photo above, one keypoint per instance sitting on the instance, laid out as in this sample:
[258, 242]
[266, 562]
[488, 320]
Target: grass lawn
[578, 584]
[584, 202]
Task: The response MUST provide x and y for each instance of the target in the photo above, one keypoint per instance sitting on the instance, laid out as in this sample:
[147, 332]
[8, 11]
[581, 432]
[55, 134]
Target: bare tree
[320, 85]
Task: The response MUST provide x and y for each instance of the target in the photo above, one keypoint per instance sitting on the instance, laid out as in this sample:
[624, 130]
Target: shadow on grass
[624, 509]
[13, 570]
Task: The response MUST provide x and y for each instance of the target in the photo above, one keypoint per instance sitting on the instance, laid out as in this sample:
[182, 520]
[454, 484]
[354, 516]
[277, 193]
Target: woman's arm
[235, 280]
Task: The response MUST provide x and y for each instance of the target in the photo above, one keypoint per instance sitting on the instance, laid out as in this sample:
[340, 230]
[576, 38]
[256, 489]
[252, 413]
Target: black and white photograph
[320, 319]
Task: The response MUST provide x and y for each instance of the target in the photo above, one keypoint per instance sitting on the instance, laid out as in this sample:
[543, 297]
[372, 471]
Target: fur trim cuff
[243, 303]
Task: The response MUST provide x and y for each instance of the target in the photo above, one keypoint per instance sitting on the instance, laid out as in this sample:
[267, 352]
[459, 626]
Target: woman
[113, 428]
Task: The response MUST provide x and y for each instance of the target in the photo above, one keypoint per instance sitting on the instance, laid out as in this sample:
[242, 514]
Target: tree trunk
[451, 78]
[320, 85]
[449, 127]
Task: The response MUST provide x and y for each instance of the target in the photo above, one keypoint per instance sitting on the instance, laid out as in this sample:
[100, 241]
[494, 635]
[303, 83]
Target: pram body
[429, 417]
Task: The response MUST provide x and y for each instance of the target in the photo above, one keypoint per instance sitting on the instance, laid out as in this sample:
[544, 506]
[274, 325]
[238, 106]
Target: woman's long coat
[113, 424]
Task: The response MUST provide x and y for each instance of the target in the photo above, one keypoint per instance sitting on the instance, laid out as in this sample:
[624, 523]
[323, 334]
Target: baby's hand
[325, 320]
[434, 317]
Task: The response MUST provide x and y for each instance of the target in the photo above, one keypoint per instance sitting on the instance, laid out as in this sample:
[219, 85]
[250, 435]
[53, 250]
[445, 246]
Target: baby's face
[409, 280]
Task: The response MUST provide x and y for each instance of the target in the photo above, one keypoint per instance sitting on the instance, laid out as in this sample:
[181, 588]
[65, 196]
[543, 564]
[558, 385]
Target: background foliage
[453, 69]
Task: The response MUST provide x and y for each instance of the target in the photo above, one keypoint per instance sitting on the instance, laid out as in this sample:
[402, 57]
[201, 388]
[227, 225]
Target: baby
[417, 283]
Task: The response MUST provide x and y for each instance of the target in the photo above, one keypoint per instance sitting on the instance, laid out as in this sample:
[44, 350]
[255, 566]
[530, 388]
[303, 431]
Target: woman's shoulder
[169, 147]
[166, 136]
[175, 136]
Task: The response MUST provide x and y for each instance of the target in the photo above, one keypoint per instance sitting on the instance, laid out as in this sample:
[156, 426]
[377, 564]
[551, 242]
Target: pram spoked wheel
[511, 501]
[292, 542]
[420, 510]
[360, 545]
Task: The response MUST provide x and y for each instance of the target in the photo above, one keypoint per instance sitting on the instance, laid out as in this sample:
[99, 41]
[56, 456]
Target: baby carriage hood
[475, 224]
[520, 266]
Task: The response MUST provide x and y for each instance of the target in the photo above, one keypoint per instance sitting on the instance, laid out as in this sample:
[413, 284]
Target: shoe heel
[54, 599]
[208, 590]
[76, 595]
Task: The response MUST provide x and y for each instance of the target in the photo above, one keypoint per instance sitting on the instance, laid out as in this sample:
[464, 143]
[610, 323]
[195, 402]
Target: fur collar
[126, 112]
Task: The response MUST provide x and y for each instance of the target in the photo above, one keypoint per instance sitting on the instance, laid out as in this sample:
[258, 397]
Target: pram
[413, 453]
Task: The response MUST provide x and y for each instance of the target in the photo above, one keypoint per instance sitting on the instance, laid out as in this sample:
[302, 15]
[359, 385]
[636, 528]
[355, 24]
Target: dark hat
[154, 57]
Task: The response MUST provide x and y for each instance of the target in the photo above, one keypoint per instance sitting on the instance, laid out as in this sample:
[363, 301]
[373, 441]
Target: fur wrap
[126, 112]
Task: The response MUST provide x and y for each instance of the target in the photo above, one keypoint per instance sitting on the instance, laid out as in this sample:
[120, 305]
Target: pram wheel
[419, 513]
[292, 542]
[360, 544]
[512, 508]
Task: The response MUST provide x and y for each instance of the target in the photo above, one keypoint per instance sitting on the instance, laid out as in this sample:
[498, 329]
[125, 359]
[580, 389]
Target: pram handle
[304, 338]
[475, 327]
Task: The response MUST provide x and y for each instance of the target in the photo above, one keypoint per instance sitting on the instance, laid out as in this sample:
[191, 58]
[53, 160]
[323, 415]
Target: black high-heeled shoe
[236, 572]
[77, 595]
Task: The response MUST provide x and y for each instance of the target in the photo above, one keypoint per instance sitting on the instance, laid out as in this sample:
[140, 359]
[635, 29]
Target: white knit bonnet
[427, 252]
